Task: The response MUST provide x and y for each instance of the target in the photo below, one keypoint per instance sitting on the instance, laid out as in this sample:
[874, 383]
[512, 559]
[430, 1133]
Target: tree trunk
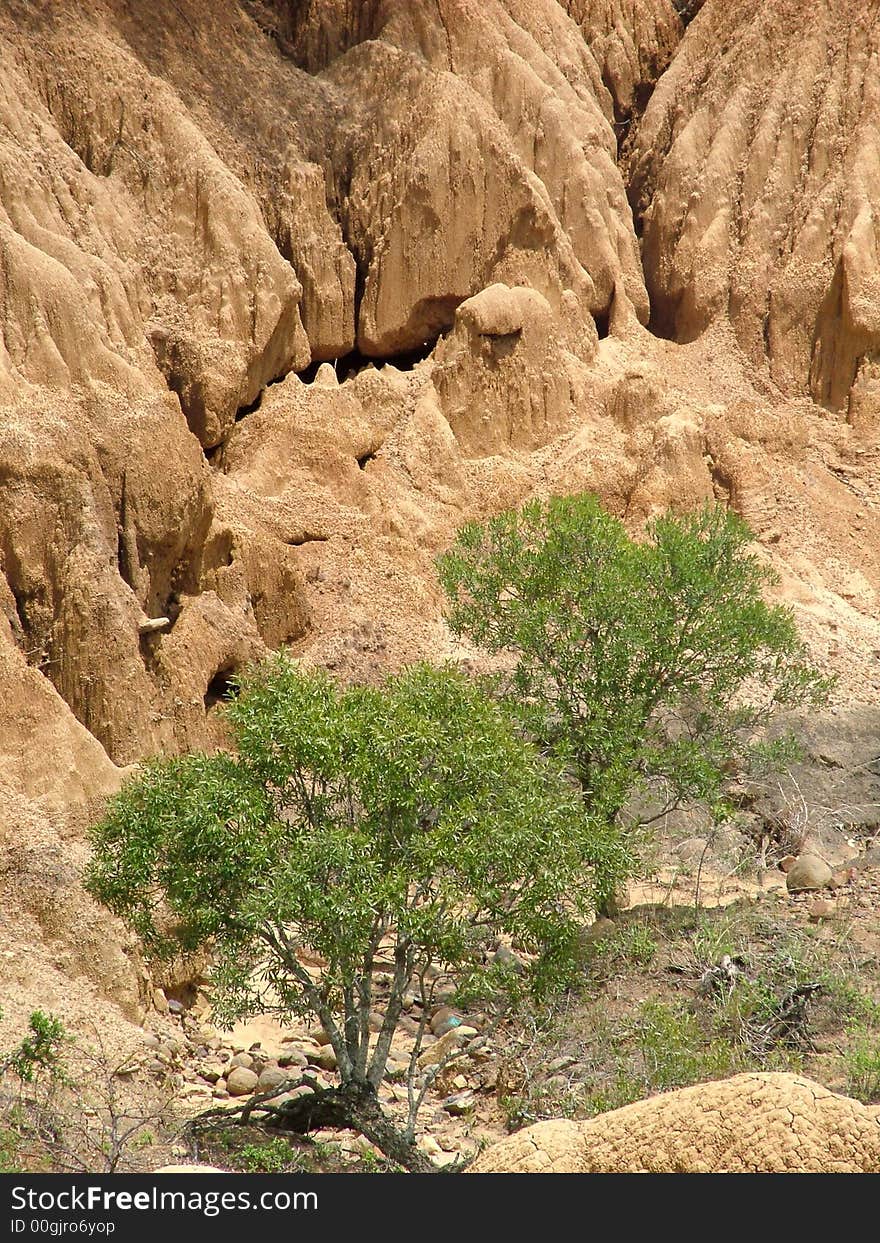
[355, 1106]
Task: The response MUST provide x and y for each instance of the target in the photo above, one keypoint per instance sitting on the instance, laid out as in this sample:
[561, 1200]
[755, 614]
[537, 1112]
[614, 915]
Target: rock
[599, 930]
[160, 1001]
[241, 1081]
[692, 851]
[195, 1091]
[557, 1083]
[820, 908]
[319, 1083]
[396, 1070]
[808, 872]
[751, 1123]
[294, 1057]
[324, 1057]
[297, 1093]
[270, 1078]
[175, 1007]
[619, 901]
[843, 877]
[243, 1059]
[460, 1103]
[435, 1054]
[444, 1020]
[505, 957]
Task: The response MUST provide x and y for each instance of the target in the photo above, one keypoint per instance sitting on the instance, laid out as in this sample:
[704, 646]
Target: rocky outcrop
[754, 177]
[633, 42]
[289, 292]
[753, 1123]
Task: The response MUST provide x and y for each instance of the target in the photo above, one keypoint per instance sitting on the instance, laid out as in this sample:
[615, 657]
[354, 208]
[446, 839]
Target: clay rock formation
[289, 292]
[754, 175]
[633, 42]
[752, 1123]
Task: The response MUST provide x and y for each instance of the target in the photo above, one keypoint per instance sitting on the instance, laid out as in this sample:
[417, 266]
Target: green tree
[646, 666]
[407, 824]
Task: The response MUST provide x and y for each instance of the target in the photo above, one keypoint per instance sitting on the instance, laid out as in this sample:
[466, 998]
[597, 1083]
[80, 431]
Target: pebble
[820, 908]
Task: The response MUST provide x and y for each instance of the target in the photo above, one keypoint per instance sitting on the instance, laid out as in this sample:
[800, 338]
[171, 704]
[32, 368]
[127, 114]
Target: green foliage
[672, 1050]
[39, 1051]
[642, 665]
[862, 1065]
[410, 816]
[9, 1151]
[275, 1156]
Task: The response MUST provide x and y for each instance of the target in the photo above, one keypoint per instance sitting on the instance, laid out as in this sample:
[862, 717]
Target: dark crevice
[252, 406]
[216, 456]
[366, 458]
[662, 322]
[349, 365]
[603, 323]
[21, 630]
[172, 608]
[221, 687]
[687, 10]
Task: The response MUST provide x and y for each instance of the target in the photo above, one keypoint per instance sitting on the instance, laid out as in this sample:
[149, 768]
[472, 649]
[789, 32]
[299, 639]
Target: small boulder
[444, 1020]
[819, 909]
[324, 1057]
[505, 957]
[241, 1081]
[808, 872]
[271, 1078]
[460, 1104]
[294, 1057]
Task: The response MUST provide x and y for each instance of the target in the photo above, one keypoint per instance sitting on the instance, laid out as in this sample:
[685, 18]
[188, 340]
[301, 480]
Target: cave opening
[347, 366]
[221, 687]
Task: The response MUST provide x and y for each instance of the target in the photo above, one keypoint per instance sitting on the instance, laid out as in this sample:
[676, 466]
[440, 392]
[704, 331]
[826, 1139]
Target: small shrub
[275, 1156]
[862, 1063]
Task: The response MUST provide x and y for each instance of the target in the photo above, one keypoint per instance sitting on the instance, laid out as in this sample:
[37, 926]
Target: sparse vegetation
[643, 1025]
[66, 1106]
